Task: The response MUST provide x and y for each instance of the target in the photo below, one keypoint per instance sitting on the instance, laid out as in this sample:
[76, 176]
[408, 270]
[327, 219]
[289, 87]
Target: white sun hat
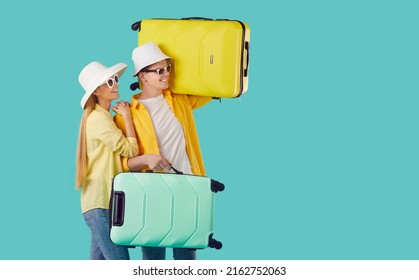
[96, 74]
[145, 55]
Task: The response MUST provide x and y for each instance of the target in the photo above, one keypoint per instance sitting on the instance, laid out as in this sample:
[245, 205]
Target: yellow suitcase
[209, 57]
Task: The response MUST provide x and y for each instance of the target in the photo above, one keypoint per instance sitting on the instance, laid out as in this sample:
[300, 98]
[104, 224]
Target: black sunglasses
[161, 70]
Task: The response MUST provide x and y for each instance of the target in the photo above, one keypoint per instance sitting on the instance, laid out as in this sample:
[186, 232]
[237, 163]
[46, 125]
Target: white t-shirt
[169, 133]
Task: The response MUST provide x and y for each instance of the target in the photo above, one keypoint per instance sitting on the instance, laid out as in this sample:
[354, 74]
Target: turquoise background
[319, 157]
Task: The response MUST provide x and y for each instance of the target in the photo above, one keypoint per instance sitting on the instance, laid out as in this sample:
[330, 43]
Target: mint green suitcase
[163, 210]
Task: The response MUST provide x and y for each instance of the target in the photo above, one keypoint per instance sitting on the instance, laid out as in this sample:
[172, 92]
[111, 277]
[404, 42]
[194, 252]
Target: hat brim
[118, 68]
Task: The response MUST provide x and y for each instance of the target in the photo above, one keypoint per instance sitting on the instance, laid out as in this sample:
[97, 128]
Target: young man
[165, 127]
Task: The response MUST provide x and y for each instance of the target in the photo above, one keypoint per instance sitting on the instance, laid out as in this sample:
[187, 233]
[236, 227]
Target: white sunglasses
[112, 81]
[160, 71]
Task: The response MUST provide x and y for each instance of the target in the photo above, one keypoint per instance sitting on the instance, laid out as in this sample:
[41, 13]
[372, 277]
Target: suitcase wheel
[214, 243]
[216, 186]
[136, 26]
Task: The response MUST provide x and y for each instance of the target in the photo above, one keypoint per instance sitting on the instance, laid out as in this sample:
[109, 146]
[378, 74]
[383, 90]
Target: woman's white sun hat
[96, 74]
[145, 55]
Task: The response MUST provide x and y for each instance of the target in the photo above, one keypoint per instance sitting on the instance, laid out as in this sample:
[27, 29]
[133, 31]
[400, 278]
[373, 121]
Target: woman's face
[157, 75]
[109, 90]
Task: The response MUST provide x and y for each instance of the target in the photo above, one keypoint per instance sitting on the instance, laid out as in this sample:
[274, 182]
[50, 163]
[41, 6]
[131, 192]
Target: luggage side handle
[201, 18]
[246, 68]
[119, 208]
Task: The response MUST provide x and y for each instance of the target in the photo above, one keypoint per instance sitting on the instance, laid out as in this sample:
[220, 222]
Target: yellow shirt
[105, 145]
[182, 106]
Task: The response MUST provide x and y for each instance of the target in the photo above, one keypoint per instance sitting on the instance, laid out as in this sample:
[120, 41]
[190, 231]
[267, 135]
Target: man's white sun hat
[145, 55]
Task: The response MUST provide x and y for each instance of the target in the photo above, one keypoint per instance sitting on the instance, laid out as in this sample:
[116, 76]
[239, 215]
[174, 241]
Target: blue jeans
[102, 247]
[159, 253]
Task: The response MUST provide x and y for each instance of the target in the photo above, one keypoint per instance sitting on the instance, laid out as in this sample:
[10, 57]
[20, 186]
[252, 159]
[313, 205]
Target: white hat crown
[145, 55]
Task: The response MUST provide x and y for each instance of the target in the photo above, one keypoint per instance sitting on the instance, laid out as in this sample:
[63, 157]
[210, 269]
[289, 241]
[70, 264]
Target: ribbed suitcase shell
[162, 210]
[210, 57]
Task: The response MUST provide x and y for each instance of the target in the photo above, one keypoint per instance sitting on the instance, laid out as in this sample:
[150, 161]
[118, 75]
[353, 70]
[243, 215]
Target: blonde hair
[81, 155]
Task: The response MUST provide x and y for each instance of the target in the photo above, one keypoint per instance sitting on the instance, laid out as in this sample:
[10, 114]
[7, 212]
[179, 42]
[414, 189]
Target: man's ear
[141, 77]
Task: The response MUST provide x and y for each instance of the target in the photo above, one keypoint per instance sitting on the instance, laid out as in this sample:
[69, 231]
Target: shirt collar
[166, 93]
[100, 108]
[103, 110]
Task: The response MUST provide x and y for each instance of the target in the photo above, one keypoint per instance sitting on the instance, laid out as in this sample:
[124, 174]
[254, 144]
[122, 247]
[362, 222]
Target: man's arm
[152, 161]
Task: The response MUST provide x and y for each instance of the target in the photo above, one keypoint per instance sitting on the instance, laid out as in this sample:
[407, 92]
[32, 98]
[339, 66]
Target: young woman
[100, 147]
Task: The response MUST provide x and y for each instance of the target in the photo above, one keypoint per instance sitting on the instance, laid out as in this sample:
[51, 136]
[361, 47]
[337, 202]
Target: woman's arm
[123, 108]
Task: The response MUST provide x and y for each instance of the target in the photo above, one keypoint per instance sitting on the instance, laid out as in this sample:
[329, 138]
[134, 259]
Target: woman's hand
[122, 108]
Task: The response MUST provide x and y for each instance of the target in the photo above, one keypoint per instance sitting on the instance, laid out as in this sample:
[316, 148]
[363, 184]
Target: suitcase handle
[176, 171]
[246, 68]
[137, 25]
[119, 208]
[201, 18]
